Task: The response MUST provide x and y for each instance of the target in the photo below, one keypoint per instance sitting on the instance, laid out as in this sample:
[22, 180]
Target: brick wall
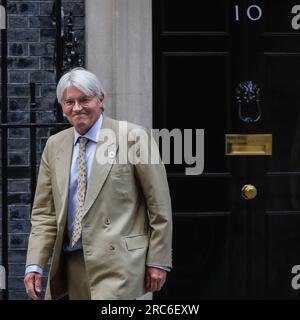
[31, 37]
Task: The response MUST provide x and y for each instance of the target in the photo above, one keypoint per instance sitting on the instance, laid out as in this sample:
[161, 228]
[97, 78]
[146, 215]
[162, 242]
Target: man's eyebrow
[83, 97]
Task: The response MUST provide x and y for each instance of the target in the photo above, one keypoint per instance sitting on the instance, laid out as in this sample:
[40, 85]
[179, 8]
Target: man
[108, 226]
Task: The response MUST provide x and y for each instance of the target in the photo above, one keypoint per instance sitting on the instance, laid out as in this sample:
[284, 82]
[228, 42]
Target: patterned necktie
[81, 188]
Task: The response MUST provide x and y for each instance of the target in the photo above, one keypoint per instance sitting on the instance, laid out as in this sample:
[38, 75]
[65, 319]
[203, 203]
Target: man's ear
[102, 103]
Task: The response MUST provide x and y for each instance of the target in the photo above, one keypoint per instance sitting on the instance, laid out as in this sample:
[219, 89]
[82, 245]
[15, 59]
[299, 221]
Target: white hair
[83, 80]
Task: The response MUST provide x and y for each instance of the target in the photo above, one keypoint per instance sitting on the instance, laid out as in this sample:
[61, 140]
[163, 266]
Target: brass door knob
[248, 192]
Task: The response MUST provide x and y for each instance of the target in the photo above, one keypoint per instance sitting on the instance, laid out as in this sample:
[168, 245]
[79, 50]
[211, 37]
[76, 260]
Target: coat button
[107, 221]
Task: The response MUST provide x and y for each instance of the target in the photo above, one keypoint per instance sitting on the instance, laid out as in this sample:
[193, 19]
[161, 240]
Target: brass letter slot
[248, 144]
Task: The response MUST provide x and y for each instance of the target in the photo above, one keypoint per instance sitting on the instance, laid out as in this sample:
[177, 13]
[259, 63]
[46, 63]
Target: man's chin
[81, 127]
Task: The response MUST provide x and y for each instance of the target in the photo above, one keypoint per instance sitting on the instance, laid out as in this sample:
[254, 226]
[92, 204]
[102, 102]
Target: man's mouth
[79, 114]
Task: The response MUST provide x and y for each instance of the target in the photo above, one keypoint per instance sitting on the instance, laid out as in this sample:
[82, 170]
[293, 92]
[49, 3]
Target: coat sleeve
[153, 180]
[43, 217]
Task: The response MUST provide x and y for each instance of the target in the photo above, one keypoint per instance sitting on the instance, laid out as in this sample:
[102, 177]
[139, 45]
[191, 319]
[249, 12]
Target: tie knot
[83, 141]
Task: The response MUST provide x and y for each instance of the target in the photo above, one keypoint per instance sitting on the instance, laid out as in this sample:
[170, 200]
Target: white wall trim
[119, 51]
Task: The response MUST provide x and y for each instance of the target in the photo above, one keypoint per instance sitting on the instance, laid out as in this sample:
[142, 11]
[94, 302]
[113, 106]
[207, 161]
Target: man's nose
[77, 106]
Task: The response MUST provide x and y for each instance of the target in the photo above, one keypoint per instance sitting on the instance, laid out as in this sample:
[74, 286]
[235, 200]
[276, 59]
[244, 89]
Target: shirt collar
[93, 133]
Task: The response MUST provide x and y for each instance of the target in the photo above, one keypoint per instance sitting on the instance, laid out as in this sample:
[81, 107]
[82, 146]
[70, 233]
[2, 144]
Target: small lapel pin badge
[111, 154]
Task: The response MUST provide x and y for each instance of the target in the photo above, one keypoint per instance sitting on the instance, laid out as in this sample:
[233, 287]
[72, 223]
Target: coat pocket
[136, 242]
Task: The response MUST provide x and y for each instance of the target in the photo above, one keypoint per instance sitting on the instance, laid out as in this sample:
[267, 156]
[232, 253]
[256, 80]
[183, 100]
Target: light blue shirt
[93, 136]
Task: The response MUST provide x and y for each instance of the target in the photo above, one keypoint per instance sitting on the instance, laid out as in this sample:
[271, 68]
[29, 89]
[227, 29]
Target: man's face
[82, 111]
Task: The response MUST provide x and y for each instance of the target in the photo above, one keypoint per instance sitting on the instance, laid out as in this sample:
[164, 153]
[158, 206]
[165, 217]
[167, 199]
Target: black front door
[232, 67]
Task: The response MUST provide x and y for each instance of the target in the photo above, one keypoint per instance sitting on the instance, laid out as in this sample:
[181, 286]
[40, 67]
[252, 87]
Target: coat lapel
[63, 166]
[99, 172]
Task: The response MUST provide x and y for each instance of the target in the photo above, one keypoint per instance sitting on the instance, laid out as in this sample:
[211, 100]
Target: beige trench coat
[127, 221]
